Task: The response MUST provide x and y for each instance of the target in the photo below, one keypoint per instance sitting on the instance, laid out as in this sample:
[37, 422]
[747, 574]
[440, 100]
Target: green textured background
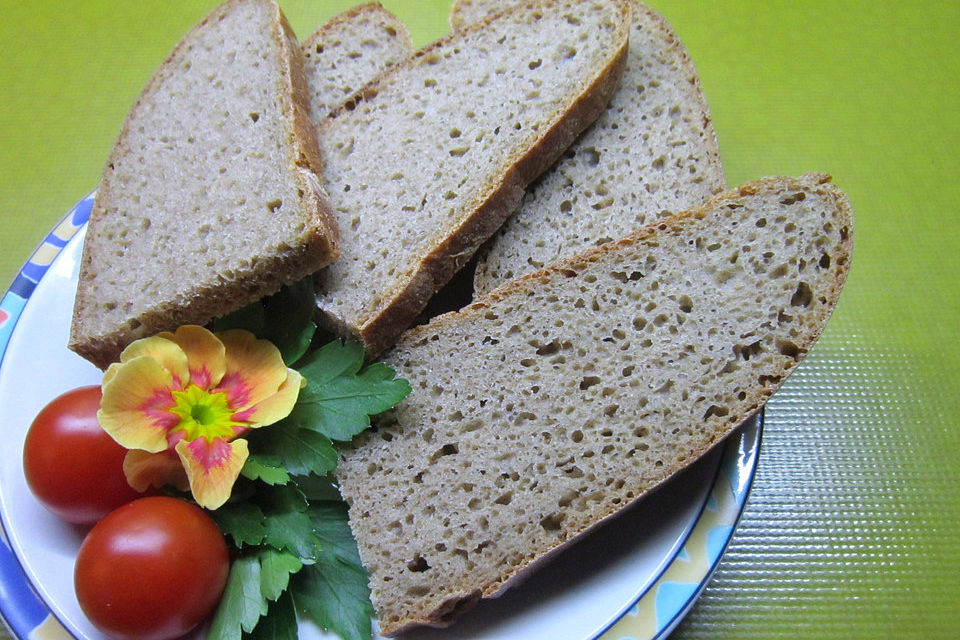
[853, 526]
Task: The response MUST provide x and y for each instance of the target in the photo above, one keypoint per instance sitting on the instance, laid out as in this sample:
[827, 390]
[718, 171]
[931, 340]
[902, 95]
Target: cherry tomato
[72, 466]
[151, 570]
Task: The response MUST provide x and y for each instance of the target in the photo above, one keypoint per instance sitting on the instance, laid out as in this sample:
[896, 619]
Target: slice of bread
[432, 157]
[349, 51]
[567, 394]
[653, 152]
[210, 198]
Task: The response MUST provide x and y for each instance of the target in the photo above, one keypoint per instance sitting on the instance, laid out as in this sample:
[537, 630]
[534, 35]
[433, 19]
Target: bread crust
[512, 296]
[379, 328]
[316, 248]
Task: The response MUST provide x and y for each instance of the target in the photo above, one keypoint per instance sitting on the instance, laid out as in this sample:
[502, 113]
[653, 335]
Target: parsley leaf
[332, 528]
[334, 592]
[241, 604]
[336, 597]
[280, 624]
[288, 527]
[275, 570]
[285, 319]
[340, 397]
[266, 468]
[243, 521]
[303, 451]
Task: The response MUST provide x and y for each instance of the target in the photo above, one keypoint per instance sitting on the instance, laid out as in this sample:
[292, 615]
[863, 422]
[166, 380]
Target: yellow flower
[180, 401]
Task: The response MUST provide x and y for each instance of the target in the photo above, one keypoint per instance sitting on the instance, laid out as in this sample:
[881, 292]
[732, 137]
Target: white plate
[634, 578]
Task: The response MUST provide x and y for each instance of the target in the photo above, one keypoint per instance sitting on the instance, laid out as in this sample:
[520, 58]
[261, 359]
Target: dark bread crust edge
[446, 611]
[316, 249]
[379, 329]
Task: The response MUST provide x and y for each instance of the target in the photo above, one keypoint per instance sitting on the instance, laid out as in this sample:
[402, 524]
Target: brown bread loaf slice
[349, 51]
[431, 158]
[651, 153]
[210, 198]
[561, 397]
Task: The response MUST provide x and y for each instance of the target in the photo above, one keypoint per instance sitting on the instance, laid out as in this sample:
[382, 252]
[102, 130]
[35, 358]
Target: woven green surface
[852, 525]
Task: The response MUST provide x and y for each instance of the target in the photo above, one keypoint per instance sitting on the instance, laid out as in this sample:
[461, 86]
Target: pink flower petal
[205, 354]
[166, 352]
[255, 369]
[144, 470]
[136, 403]
[212, 468]
[275, 407]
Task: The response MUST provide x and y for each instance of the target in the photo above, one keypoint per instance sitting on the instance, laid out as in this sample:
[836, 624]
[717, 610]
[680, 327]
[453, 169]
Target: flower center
[203, 414]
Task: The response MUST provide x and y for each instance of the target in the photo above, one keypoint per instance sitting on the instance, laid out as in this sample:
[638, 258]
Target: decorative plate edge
[661, 607]
[22, 612]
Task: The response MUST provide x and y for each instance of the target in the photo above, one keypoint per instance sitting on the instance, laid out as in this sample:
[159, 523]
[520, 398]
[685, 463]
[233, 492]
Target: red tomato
[151, 570]
[73, 467]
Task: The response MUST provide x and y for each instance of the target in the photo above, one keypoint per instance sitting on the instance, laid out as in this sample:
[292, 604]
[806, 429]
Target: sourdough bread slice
[349, 51]
[210, 198]
[559, 398]
[431, 158]
[651, 153]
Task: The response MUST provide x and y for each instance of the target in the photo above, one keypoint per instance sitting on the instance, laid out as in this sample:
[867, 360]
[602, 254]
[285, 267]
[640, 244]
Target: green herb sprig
[295, 557]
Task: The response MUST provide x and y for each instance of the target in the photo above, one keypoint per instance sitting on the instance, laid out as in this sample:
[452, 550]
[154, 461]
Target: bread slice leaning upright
[561, 397]
[432, 157]
[350, 50]
[651, 153]
[210, 198]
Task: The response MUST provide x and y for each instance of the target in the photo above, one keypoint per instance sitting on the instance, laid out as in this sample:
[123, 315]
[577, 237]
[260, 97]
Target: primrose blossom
[181, 401]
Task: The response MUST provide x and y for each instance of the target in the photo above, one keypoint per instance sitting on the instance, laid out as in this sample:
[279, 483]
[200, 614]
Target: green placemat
[851, 527]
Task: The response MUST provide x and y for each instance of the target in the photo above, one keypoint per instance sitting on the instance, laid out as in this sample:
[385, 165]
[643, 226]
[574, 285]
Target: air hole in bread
[418, 564]
[592, 158]
[665, 387]
[748, 351]
[589, 381]
[769, 380]
[552, 522]
[714, 410]
[789, 349]
[448, 449]
[548, 349]
[779, 272]
[803, 296]
[567, 498]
